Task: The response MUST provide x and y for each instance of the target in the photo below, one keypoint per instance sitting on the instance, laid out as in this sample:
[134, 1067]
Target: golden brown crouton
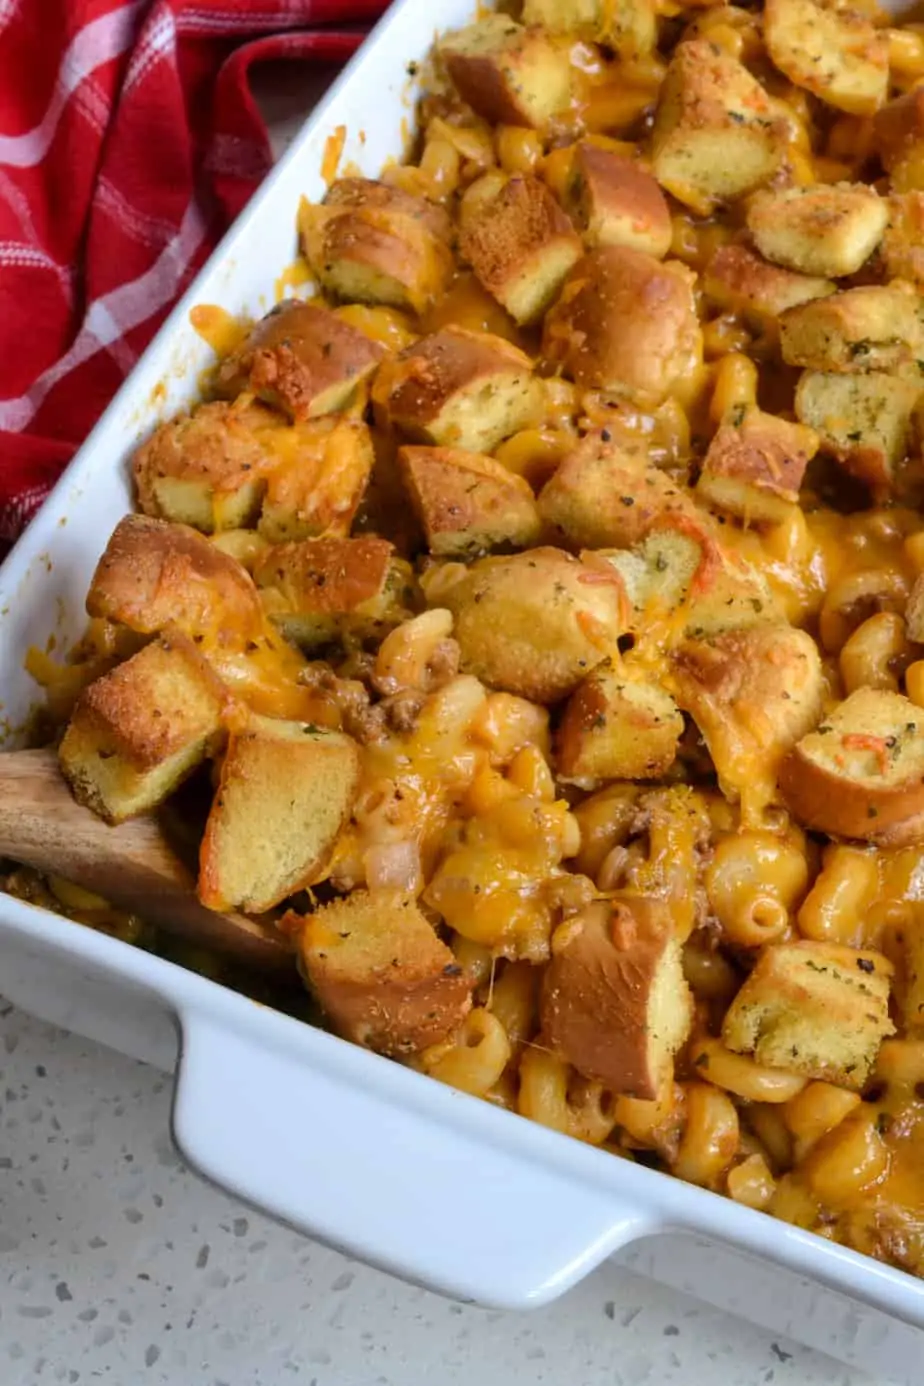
[285, 792]
[821, 1009]
[521, 246]
[872, 328]
[827, 229]
[614, 1000]
[369, 243]
[154, 574]
[458, 388]
[140, 730]
[381, 974]
[626, 323]
[508, 74]
[627, 26]
[615, 202]
[533, 624]
[322, 590]
[738, 279]
[914, 612]
[902, 248]
[319, 480]
[301, 358]
[467, 502]
[831, 50]
[618, 727]
[752, 693]
[898, 129]
[606, 492]
[717, 134]
[861, 773]
[865, 421]
[208, 468]
[755, 465]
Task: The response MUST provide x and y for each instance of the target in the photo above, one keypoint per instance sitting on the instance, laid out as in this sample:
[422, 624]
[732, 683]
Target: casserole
[251, 1083]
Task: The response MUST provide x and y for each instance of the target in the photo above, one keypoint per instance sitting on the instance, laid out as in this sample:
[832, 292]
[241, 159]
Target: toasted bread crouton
[155, 574]
[521, 246]
[300, 358]
[508, 74]
[617, 727]
[605, 493]
[208, 468]
[369, 243]
[457, 388]
[381, 974]
[831, 50]
[821, 1009]
[321, 590]
[827, 229]
[467, 503]
[140, 730]
[534, 624]
[717, 134]
[902, 248]
[898, 129]
[627, 26]
[615, 202]
[317, 487]
[738, 279]
[614, 1000]
[286, 790]
[865, 421]
[861, 773]
[752, 693]
[625, 323]
[754, 467]
[872, 328]
[914, 612]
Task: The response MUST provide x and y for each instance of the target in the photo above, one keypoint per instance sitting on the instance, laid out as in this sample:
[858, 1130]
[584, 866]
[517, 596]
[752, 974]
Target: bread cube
[318, 591]
[301, 358]
[317, 487]
[898, 129]
[381, 974]
[914, 612]
[717, 135]
[627, 26]
[286, 790]
[606, 492]
[521, 246]
[534, 624]
[755, 465]
[614, 1000]
[902, 248]
[467, 502]
[738, 280]
[155, 574]
[831, 50]
[865, 421]
[827, 229]
[860, 774]
[615, 202]
[820, 1009]
[140, 730]
[625, 323]
[457, 388]
[508, 74]
[752, 693]
[872, 328]
[616, 727]
[206, 469]
[369, 243]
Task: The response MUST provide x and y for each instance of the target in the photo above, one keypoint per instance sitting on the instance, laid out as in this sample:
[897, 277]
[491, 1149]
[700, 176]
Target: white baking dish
[393, 1167]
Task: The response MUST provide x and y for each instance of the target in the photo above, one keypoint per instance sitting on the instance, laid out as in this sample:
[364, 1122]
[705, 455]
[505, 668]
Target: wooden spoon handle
[132, 865]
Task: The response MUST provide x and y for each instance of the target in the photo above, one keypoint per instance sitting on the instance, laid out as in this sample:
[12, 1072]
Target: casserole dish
[278, 1113]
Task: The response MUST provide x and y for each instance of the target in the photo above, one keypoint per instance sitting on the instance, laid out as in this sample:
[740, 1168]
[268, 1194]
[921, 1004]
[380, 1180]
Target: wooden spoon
[132, 865]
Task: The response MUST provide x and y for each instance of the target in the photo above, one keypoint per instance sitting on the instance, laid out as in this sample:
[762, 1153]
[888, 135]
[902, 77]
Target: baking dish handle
[450, 1199]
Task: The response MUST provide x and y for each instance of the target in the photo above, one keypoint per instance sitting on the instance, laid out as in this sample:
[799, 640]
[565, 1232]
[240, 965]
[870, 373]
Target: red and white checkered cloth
[128, 142]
